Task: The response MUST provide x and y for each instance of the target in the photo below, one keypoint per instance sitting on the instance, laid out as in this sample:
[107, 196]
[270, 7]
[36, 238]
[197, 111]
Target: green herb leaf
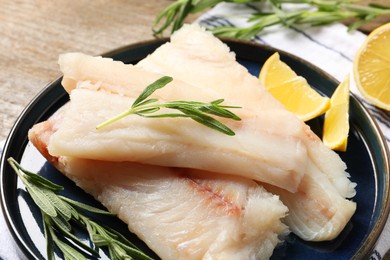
[147, 111]
[133, 252]
[62, 208]
[149, 101]
[41, 197]
[62, 223]
[120, 238]
[118, 251]
[208, 121]
[44, 182]
[86, 207]
[160, 83]
[49, 239]
[68, 251]
[378, 6]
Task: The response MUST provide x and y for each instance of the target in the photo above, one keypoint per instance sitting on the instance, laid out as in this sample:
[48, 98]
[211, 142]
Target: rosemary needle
[58, 215]
[316, 13]
[199, 111]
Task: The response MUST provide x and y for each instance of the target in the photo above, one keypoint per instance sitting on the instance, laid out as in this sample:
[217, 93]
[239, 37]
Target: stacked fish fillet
[187, 191]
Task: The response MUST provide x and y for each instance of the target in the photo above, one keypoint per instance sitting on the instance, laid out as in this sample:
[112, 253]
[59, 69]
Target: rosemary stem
[115, 118]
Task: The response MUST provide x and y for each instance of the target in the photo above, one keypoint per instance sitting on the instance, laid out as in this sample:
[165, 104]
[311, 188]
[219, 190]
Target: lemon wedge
[371, 67]
[336, 123]
[293, 91]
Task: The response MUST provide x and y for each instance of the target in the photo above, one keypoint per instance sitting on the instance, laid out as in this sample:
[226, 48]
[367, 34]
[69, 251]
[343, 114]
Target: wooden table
[34, 33]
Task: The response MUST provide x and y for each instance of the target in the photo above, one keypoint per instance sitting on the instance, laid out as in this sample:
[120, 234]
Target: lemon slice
[275, 72]
[336, 124]
[371, 67]
[293, 91]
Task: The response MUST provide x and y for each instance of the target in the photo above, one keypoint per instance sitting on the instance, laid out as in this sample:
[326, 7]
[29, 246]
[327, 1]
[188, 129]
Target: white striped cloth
[331, 48]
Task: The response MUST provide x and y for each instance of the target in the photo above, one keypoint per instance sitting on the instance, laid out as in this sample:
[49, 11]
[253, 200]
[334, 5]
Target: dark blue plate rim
[245, 50]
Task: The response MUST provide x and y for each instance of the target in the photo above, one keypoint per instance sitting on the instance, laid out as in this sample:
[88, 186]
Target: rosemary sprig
[198, 111]
[316, 13]
[58, 215]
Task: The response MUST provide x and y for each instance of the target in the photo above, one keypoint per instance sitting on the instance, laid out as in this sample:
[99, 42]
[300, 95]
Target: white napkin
[331, 48]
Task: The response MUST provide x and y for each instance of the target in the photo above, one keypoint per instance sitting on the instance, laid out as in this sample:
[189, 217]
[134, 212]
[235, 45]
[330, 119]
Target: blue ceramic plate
[366, 159]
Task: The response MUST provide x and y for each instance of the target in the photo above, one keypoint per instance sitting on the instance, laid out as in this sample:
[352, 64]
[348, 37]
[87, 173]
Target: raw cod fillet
[198, 58]
[178, 213]
[171, 141]
[318, 209]
[269, 141]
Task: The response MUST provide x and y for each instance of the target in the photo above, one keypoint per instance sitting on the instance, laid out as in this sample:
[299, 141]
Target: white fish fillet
[178, 213]
[205, 61]
[172, 141]
[318, 210]
[270, 143]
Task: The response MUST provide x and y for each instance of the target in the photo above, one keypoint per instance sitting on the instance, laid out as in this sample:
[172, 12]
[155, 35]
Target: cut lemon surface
[371, 67]
[275, 72]
[336, 124]
[293, 91]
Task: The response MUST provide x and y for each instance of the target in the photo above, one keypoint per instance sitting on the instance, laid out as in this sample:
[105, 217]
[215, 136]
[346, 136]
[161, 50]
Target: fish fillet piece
[178, 213]
[214, 68]
[174, 142]
[206, 61]
[318, 210]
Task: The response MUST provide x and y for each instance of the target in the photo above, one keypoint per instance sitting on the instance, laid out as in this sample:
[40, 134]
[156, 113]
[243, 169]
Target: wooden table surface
[34, 33]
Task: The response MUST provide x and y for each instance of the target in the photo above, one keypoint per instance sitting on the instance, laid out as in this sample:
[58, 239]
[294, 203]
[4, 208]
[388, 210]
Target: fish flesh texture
[216, 68]
[174, 142]
[271, 145]
[318, 210]
[180, 213]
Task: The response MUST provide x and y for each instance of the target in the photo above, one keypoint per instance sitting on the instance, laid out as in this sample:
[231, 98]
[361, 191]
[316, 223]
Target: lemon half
[371, 67]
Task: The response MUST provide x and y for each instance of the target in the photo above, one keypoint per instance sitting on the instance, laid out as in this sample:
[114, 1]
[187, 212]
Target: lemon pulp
[371, 67]
[291, 90]
[336, 123]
